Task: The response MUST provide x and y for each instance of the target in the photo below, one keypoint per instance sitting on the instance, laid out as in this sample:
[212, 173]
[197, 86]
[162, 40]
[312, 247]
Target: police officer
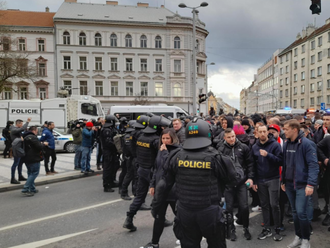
[146, 150]
[200, 173]
[122, 126]
[109, 152]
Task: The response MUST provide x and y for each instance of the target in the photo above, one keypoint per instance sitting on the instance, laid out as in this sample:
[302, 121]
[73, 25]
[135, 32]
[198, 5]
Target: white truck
[59, 110]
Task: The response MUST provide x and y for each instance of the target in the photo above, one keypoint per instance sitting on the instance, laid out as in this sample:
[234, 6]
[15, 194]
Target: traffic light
[315, 7]
[202, 98]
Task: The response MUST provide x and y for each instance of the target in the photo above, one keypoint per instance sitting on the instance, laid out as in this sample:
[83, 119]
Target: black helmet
[141, 121]
[110, 121]
[123, 121]
[130, 126]
[150, 114]
[155, 124]
[198, 134]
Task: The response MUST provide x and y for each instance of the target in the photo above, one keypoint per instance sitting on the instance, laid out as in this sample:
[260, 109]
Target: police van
[132, 112]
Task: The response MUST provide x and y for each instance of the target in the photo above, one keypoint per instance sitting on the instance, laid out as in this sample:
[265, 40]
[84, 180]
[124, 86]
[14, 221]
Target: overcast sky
[243, 33]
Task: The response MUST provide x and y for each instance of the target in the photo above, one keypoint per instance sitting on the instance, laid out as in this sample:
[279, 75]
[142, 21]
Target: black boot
[21, 178]
[126, 197]
[325, 210]
[108, 189]
[14, 181]
[128, 224]
[145, 207]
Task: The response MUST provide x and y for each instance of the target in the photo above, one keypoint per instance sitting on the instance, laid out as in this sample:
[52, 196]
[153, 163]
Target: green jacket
[77, 136]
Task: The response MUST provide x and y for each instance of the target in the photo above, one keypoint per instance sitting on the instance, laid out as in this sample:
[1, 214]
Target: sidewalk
[64, 166]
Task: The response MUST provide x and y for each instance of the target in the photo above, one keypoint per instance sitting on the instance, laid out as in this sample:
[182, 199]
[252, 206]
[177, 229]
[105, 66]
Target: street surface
[78, 213]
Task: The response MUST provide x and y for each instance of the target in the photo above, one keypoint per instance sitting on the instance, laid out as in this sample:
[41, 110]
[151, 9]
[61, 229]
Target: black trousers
[123, 171]
[242, 198]
[109, 160]
[131, 176]
[144, 176]
[99, 154]
[159, 221]
[191, 226]
[7, 149]
[49, 153]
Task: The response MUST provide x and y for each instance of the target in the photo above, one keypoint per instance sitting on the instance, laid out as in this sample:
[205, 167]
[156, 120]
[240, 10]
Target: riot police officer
[200, 173]
[146, 150]
[109, 152]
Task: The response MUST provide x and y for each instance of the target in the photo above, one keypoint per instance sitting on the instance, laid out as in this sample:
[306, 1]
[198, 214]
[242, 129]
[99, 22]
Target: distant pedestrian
[16, 133]
[77, 139]
[86, 147]
[179, 130]
[33, 156]
[8, 141]
[47, 135]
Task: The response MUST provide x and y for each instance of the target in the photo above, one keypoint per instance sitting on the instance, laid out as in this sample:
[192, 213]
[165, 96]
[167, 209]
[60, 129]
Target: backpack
[118, 140]
[18, 148]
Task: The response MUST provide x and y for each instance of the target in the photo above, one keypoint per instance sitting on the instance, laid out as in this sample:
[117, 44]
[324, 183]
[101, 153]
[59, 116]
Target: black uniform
[199, 175]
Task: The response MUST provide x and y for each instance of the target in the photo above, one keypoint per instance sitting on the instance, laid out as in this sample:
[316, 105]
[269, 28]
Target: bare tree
[140, 100]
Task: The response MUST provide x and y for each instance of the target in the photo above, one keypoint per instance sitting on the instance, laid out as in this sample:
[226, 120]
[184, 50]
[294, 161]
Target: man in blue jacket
[86, 147]
[267, 154]
[47, 135]
[299, 178]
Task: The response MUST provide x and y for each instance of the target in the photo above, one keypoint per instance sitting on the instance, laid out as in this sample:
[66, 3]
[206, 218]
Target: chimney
[298, 36]
[327, 21]
[47, 9]
[143, 4]
[70, 1]
[162, 6]
[112, 2]
[310, 29]
[303, 33]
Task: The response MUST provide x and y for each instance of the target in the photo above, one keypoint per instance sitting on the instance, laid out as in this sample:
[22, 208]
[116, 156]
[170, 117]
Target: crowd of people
[195, 165]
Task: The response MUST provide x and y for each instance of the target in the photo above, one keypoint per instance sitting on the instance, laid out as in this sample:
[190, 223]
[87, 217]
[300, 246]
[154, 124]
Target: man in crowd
[47, 135]
[77, 139]
[179, 129]
[267, 154]
[299, 178]
[16, 133]
[32, 158]
[86, 147]
[8, 141]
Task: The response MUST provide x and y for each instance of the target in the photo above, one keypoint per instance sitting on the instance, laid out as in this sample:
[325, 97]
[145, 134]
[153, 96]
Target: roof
[26, 18]
[107, 12]
[302, 40]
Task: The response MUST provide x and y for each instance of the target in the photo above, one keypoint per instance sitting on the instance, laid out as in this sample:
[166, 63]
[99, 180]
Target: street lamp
[207, 86]
[194, 11]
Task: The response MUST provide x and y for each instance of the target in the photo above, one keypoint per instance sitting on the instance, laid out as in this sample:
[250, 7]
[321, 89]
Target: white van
[132, 112]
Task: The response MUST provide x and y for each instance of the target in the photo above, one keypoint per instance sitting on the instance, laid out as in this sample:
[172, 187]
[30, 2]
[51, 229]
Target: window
[6, 44]
[113, 40]
[295, 76]
[177, 90]
[41, 45]
[159, 66]
[22, 67]
[158, 89]
[83, 87]
[82, 39]
[281, 104]
[281, 82]
[328, 52]
[144, 88]
[23, 93]
[286, 103]
[83, 63]
[312, 59]
[129, 88]
[129, 64]
[319, 85]
[158, 42]
[295, 51]
[328, 36]
[312, 88]
[319, 56]
[302, 102]
[144, 65]
[143, 41]
[281, 71]
[177, 65]
[303, 62]
[114, 88]
[328, 99]
[98, 63]
[328, 84]
[21, 44]
[42, 69]
[114, 64]
[197, 45]
[319, 71]
[313, 73]
[295, 90]
[67, 63]
[312, 100]
[286, 81]
[67, 85]
[281, 93]
[287, 57]
[318, 100]
[294, 103]
[98, 39]
[281, 60]
[286, 93]
[303, 89]
[177, 42]
[7, 94]
[99, 88]
[313, 44]
[66, 38]
[128, 40]
[295, 65]
[319, 41]
[303, 49]
[42, 93]
[287, 69]
[328, 68]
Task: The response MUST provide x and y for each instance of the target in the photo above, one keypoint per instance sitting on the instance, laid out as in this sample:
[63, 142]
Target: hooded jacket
[33, 148]
[306, 168]
[219, 138]
[267, 168]
[47, 135]
[87, 137]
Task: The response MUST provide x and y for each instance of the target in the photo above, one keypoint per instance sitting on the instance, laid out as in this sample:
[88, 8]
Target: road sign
[322, 105]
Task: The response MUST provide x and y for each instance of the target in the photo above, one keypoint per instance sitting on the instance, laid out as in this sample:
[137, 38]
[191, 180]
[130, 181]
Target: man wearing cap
[86, 147]
[268, 156]
[319, 133]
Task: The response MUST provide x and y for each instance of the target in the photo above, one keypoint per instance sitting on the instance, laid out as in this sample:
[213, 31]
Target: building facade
[28, 37]
[123, 54]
